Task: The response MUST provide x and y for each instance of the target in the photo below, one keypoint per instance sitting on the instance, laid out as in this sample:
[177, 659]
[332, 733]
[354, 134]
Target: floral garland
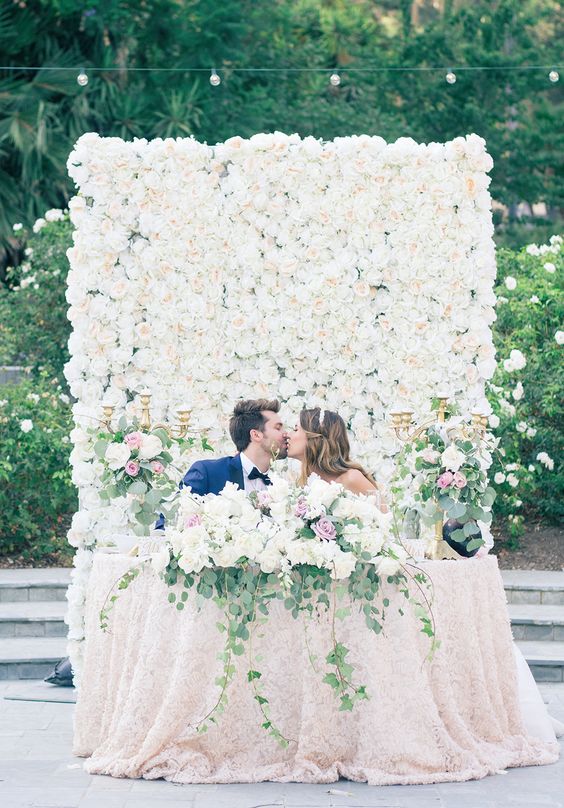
[355, 274]
[318, 548]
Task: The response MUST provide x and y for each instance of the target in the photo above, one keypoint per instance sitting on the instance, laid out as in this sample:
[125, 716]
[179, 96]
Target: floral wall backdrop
[353, 274]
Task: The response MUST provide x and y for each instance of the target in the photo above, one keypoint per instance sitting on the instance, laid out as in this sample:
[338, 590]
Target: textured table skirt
[151, 678]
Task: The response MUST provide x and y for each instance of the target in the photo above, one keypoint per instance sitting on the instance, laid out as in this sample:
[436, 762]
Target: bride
[320, 442]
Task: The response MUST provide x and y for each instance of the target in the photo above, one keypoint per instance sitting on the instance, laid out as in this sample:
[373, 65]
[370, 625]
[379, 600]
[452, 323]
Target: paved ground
[37, 770]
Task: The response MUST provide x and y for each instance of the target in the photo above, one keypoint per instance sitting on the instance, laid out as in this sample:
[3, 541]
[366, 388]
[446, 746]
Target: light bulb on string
[82, 78]
[215, 80]
[554, 76]
[335, 79]
[450, 77]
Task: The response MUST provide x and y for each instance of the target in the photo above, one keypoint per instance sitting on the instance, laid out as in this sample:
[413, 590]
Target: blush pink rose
[430, 455]
[132, 468]
[133, 440]
[324, 529]
[301, 508]
[157, 467]
[446, 479]
[459, 479]
[193, 520]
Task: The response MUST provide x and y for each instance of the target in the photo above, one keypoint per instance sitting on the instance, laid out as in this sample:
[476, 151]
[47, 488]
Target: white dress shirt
[250, 485]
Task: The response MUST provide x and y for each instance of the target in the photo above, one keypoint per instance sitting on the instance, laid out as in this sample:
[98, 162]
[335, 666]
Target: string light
[215, 80]
[82, 78]
[450, 77]
[554, 75]
[335, 79]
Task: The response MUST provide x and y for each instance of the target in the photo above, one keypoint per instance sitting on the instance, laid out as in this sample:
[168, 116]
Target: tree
[43, 111]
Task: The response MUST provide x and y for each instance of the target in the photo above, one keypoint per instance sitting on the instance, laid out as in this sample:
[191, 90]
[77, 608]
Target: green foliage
[43, 112]
[34, 328]
[37, 497]
[527, 320]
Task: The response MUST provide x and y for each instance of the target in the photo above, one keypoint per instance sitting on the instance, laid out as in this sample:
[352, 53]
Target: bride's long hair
[327, 447]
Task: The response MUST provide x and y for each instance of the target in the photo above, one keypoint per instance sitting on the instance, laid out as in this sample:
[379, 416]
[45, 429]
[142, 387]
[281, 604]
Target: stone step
[33, 619]
[534, 586]
[34, 584]
[537, 621]
[30, 657]
[545, 659]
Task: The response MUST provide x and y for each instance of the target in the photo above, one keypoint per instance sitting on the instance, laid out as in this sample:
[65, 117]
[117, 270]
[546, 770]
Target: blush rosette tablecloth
[149, 680]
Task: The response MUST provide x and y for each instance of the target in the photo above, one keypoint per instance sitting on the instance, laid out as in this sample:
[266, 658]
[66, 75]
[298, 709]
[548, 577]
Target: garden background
[43, 111]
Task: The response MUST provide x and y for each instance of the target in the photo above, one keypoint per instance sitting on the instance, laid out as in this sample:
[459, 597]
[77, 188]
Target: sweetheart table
[150, 679]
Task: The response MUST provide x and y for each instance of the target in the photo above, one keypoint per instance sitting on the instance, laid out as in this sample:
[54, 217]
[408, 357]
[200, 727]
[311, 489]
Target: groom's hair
[248, 415]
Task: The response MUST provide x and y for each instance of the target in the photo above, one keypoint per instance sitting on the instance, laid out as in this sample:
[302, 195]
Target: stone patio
[37, 770]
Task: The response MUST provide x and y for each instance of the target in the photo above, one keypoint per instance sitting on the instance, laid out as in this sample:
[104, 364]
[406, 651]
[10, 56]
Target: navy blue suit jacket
[210, 477]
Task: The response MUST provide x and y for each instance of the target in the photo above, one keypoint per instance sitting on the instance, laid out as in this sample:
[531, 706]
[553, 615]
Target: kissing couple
[319, 441]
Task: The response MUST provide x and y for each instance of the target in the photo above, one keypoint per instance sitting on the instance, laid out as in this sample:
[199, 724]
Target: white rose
[510, 283]
[559, 337]
[151, 446]
[452, 458]
[499, 478]
[117, 455]
[549, 266]
[26, 425]
[387, 566]
[518, 392]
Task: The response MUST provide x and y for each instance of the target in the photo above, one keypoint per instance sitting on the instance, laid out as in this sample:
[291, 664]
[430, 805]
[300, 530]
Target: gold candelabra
[179, 430]
[407, 431]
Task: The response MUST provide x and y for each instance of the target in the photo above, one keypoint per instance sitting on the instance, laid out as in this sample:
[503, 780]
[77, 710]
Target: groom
[258, 433]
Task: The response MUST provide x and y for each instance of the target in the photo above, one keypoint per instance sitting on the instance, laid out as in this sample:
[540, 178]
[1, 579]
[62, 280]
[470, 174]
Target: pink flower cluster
[132, 468]
[193, 520]
[133, 440]
[448, 478]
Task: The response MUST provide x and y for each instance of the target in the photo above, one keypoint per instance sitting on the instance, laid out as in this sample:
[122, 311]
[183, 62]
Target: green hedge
[37, 497]
[532, 420]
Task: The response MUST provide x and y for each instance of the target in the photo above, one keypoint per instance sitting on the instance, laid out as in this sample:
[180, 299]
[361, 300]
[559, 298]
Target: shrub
[37, 497]
[526, 393]
[34, 328]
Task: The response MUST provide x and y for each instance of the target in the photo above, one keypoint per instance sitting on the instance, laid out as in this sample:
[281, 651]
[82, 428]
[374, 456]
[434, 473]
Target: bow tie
[255, 474]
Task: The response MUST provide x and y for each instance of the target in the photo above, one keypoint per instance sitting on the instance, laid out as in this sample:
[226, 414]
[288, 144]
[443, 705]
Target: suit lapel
[236, 471]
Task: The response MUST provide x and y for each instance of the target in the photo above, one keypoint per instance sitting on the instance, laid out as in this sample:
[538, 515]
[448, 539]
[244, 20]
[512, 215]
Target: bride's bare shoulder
[355, 481]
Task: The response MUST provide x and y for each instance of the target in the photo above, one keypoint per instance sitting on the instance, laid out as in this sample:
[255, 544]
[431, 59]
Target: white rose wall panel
[354, 274]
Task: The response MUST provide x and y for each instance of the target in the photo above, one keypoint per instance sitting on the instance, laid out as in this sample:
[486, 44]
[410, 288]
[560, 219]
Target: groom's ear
[255, 435]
